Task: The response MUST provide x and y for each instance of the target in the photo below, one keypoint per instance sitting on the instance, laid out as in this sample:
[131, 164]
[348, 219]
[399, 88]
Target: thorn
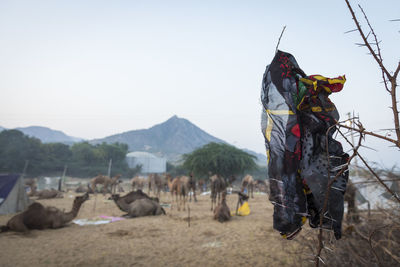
[350, 31]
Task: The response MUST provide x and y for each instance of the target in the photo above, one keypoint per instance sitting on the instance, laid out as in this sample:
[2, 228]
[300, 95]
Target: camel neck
[121, 204]
[69, 216]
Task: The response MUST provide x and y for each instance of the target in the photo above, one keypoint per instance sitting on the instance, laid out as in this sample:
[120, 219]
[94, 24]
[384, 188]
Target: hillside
[47, 135]
[170, 139]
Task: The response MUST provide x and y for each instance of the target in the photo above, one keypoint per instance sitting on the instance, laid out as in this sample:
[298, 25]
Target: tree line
[82, 159]
[86, 160]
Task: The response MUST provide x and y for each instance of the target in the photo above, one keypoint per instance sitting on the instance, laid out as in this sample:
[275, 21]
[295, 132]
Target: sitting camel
[46, 194]
[222, 212]
[218, 185]
[39, 217]
[138, 204]
[122, 202]
[82, 189]
[248, 182]
[107, 182]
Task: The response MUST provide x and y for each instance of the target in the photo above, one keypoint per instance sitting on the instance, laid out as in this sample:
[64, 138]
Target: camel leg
[194, 195]
[184, 202]
[178, 202]
[172, 199]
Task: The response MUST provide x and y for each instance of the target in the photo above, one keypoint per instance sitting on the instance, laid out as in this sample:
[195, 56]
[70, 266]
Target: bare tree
[377, 237]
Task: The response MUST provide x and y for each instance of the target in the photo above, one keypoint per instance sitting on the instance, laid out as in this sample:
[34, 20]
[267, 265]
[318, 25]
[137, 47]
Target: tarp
[13, 197]
[295, 118]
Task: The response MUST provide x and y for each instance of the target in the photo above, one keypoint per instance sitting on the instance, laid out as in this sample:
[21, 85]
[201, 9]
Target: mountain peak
[171, 139]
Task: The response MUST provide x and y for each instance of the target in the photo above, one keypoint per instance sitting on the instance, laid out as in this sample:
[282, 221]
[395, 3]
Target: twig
[279, 40]
[397, 143]
[377, 244]
[326, 198]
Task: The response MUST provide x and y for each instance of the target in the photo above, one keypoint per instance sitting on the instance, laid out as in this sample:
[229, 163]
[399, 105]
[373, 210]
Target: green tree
[17, 148]
[216, 158]
[56, 156]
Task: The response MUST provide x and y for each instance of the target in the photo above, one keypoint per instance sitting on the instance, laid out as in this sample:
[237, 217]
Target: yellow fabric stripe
[268, 131]
[280, 112]
[316, 109]
[268, 156]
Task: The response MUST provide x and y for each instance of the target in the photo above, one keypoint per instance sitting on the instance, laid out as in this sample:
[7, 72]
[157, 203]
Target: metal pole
[109, 168]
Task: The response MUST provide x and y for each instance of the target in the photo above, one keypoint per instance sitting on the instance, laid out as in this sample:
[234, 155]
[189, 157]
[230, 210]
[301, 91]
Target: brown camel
[192, 187]
[155, 184]
[47, 194]
[138, 204]
[218, 185]
[31, 182]
[82, 189]
[39, 217]
[248, 182]
[202, 185]
[107, 182]
[222, 212]
[137, 183]
[132, 196]
[260, 186]
[178, 187]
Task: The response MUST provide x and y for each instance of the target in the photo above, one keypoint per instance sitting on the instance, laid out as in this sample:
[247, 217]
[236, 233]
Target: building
[150, 163]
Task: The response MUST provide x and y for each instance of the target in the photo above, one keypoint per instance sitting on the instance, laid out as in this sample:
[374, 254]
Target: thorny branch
[378, 58]
[328, 188]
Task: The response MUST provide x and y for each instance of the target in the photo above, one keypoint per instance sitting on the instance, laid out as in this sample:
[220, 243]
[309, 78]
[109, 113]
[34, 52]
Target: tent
[13, 197]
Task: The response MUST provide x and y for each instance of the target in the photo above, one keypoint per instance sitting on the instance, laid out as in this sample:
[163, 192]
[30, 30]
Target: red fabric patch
[296, 130]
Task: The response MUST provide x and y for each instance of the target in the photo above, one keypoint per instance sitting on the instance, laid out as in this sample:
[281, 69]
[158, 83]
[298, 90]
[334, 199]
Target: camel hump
[35, 206]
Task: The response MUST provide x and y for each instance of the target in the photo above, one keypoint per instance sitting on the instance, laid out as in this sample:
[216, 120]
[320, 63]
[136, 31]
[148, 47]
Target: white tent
[149, 162]
[13, 197]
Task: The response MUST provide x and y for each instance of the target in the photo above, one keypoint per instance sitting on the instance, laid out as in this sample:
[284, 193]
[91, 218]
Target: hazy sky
[96, 68]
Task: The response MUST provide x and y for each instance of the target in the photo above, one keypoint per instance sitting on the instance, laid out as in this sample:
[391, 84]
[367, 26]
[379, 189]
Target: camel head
[81, 199]
[115, 197]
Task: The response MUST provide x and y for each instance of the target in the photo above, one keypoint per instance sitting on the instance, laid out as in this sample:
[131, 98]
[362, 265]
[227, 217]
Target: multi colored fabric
[296, 115]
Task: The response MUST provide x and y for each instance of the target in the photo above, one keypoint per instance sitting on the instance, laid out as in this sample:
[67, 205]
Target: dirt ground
[152, 241]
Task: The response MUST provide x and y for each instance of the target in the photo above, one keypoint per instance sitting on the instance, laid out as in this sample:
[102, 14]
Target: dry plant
[375, 240]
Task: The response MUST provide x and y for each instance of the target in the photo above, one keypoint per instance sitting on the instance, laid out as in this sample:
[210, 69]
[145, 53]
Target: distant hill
[47, 135]
[170, 139]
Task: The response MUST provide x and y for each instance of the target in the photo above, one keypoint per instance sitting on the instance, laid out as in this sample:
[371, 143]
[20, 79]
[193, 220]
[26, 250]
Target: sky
[97, 68]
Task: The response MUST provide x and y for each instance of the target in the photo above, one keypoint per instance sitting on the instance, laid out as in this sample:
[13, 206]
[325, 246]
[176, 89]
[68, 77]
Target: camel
[120, 189]
[192, 187]
[31, 182]
[260, 186]
[222, 212]
[138, 204]
[46, 194]
[107, 182]
[155, 184]
[218, 185]
[248, 182]
[132, 196]
[81, 189]
[178, 187]
[137, 183]
[202, 185]
[39, 217]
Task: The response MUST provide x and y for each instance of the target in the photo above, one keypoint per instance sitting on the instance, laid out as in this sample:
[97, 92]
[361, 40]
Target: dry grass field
[152, 241]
